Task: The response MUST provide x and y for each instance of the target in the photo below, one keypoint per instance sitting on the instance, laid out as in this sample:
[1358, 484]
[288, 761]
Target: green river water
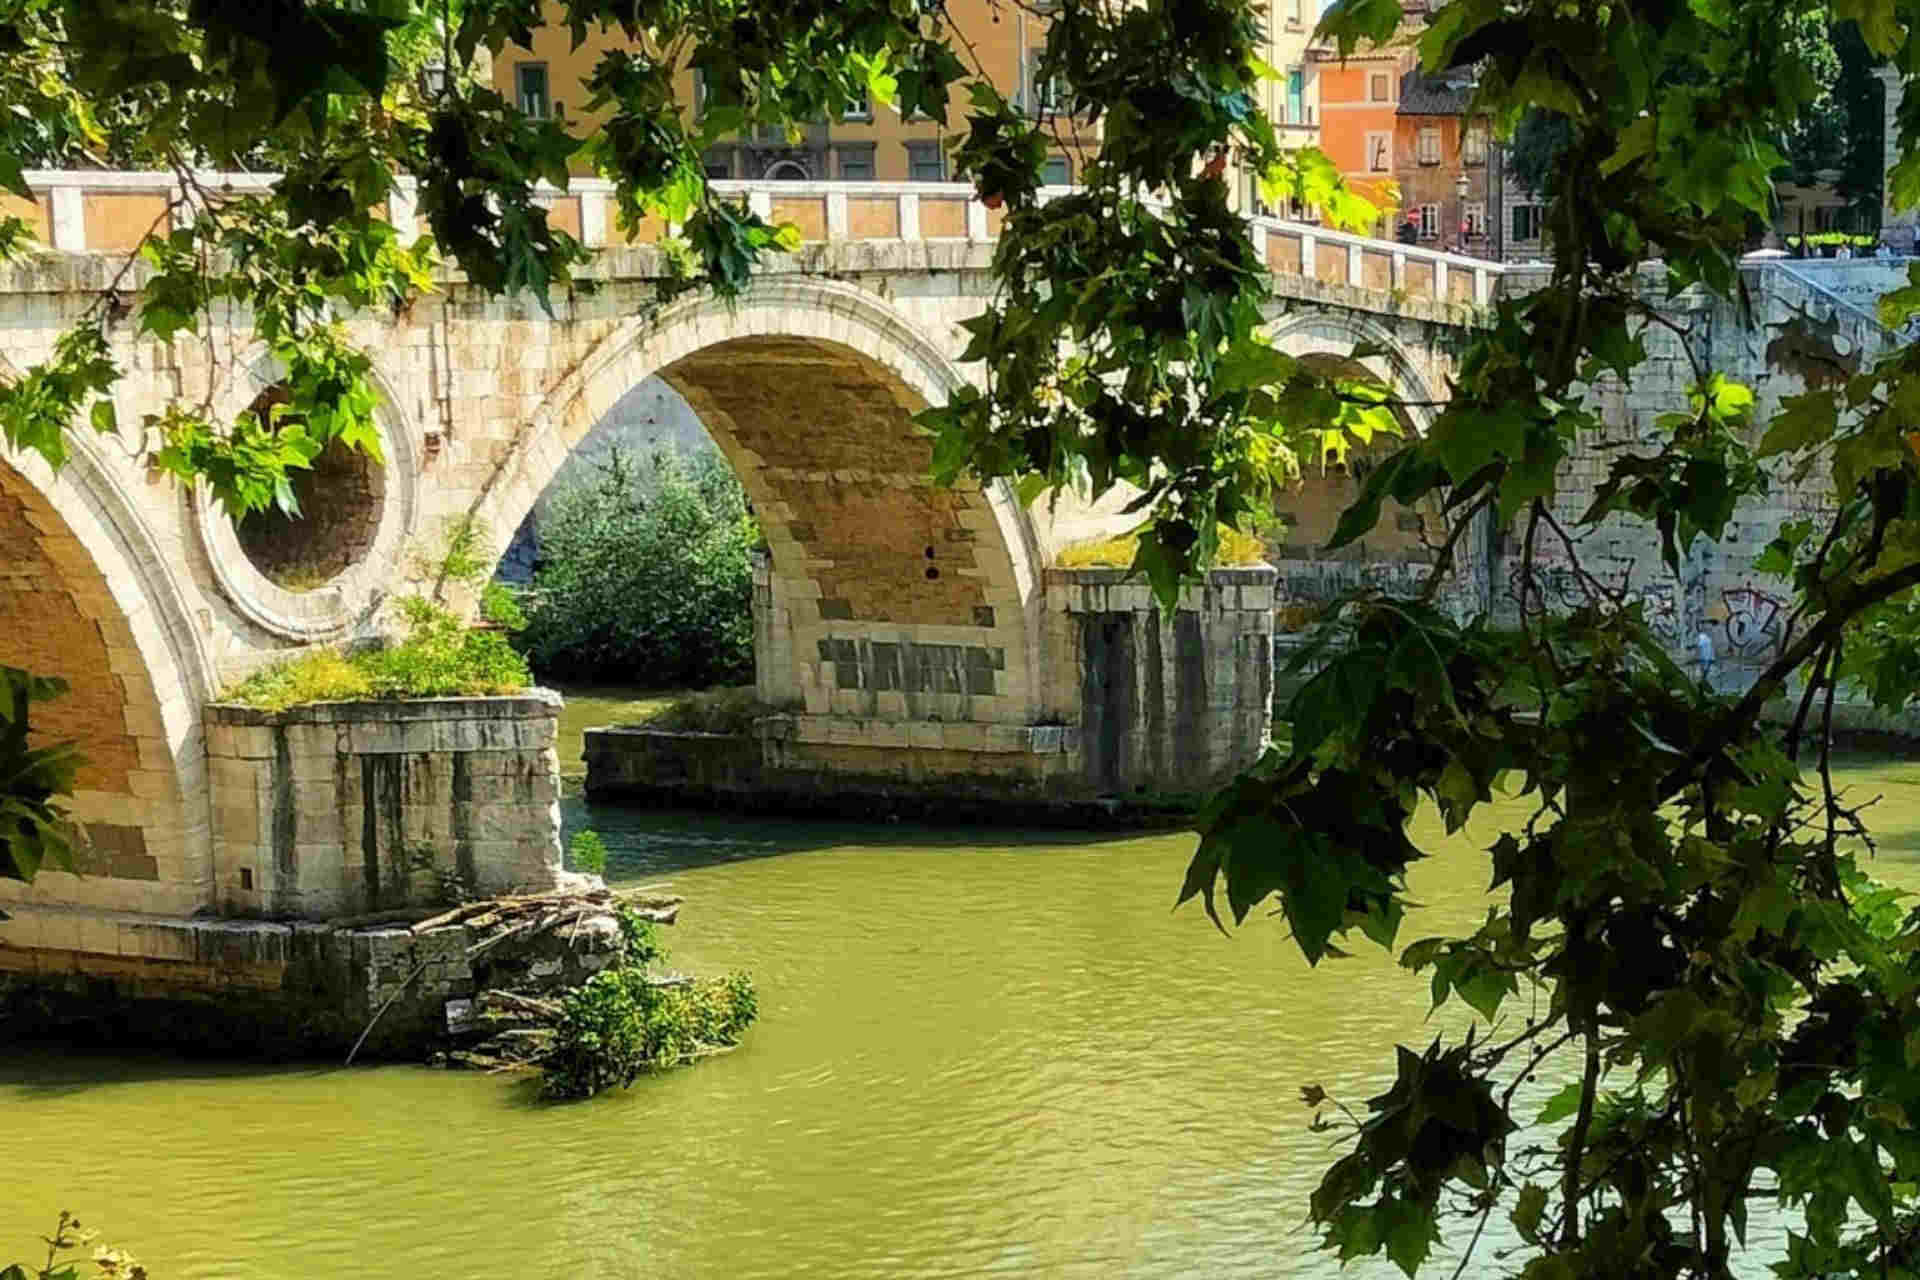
[980, 1053]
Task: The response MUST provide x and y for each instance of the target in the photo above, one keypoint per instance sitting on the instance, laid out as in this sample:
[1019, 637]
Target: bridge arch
[88, 594]
[1397, 556]
[809, 388]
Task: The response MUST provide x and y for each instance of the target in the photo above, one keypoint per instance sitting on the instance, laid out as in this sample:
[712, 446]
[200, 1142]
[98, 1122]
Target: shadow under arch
[1398, 554]
[88, 595]
[809, 388]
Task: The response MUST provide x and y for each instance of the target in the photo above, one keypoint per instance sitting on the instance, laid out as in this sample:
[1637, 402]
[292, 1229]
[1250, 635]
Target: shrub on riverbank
[646, 577]
[440, 658]
[731, 710]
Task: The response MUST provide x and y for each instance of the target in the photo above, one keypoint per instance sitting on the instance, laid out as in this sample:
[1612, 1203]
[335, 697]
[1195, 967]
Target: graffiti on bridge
[1756, 622]
[1672, 609]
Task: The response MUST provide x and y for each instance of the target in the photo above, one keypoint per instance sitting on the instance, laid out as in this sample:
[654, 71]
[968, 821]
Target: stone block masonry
[280, 990]
[1174, 702]
[342, 808]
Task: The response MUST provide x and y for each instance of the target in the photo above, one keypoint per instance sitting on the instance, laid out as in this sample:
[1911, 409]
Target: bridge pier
[1147, 708]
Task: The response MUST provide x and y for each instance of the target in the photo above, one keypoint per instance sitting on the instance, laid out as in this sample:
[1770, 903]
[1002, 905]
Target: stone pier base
[253, 988]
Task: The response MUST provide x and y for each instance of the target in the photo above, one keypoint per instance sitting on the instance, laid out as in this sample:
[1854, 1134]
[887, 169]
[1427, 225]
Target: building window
[1474, 216]
[1058, 172]
[1429, 222]
[859, 106]
[1297, 96]
[1527, 221]
[1379, 153]
[926, 162]
[1049, 92]
[1428, 149]
[1379, 89]
[854, 164]
[1474, 149]
[530, 78]
[718, 163]
[1299, 13]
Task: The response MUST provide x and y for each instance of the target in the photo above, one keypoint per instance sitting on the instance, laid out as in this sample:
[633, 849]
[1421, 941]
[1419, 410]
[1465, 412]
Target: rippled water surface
[980, 1053]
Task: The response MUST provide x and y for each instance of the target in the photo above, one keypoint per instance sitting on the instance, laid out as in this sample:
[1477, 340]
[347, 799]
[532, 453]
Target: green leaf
[1527, 1211]
[1804, 421]
[1411, 1235]
[1561, 1105]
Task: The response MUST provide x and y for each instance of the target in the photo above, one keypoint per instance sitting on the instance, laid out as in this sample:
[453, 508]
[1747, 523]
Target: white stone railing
[81, 211]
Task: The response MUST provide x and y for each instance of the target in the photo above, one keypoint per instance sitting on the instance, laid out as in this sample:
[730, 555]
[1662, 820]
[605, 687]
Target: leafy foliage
[625, 1022]
[1700, 956]
[440, 657]
[70, 1237]
[726, 710]
[34, 829]
[588, 852]
[646, 576]
[1235, 548]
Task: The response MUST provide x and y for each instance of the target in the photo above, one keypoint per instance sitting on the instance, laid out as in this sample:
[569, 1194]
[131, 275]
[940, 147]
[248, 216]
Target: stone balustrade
[79, 211]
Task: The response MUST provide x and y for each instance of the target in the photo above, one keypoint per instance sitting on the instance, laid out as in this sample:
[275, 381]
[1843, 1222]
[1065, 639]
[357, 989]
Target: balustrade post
[976, 220]
[909, 215]
[403, 210]
[593, 218]
[67, 218]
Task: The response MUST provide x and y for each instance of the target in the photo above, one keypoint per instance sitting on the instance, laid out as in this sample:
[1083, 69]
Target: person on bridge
[1704, 643]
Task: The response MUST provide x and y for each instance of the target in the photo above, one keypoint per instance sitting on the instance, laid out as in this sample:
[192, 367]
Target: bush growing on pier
[628, 1021]
[646, 576]
[439, 658]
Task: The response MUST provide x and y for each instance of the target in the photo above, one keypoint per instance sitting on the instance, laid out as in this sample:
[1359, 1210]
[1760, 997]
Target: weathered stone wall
[1174, 702]
[1715, 590]
[61, 616]
[341, 808]
[282, 990]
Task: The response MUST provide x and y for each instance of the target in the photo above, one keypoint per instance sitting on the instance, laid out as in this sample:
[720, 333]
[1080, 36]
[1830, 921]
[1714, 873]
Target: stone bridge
[912, 634]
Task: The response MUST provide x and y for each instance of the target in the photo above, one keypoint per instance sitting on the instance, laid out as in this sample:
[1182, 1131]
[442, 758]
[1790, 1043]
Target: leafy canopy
[1726, 994]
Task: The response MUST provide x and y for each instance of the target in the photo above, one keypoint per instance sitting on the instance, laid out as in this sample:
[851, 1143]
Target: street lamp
[433, 81]
[1460, 203]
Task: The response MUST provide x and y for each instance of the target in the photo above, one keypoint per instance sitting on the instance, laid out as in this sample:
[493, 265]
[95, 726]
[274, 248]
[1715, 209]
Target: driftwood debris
[647, 902]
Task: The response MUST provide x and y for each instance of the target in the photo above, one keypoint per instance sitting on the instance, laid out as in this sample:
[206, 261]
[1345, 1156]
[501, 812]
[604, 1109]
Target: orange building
[1359, 110]
[869, 142]
[1441, 164]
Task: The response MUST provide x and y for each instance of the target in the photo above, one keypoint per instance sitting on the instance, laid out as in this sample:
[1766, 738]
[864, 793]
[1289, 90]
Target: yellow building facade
[872, 142]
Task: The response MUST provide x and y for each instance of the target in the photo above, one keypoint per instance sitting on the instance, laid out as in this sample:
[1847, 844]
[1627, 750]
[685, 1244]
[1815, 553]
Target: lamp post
[1460, 206]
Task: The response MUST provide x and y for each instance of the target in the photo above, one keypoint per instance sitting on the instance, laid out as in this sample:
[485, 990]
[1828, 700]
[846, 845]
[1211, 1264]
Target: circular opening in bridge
[339, 497]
